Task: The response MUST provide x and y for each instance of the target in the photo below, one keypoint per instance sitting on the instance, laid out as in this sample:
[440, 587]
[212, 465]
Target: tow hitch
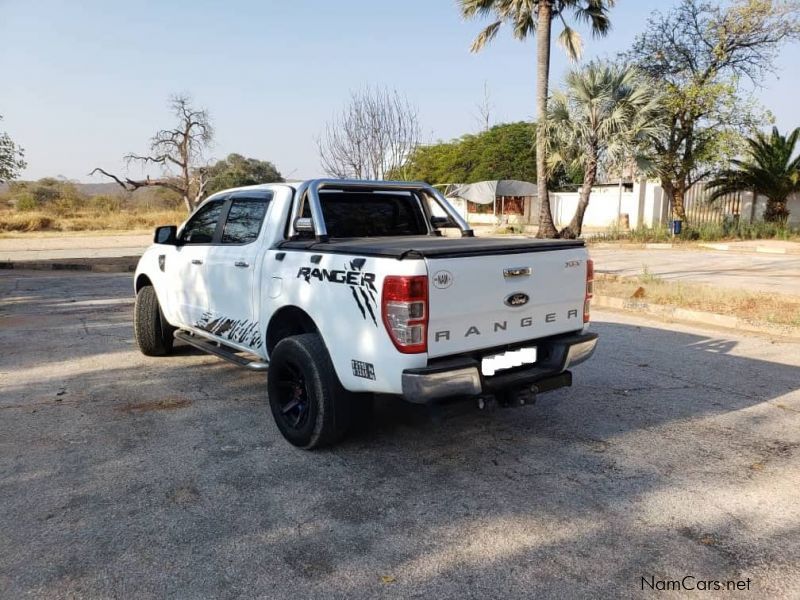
[510, 398]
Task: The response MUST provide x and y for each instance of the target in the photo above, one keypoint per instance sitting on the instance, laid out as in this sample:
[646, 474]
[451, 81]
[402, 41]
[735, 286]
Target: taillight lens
[404, 307]
[589, 289]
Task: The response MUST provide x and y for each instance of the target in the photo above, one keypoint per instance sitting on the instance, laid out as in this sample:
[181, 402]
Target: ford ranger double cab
[347, 289]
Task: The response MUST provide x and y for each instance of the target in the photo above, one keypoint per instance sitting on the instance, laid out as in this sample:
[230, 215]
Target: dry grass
[754, 307]
[122, 220]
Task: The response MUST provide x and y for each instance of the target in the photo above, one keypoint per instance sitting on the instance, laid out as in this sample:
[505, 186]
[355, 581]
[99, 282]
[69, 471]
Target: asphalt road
[771, 273]
[677, 452]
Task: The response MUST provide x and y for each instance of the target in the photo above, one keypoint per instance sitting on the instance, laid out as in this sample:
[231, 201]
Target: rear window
[244, 220]
[354, 214]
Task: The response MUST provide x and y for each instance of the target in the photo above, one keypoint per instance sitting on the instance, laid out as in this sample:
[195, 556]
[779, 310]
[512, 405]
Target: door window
[201, 227]
[244, 220]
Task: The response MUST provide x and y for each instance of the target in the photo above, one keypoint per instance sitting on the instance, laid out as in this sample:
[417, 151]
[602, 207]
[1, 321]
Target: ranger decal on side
[361, 283]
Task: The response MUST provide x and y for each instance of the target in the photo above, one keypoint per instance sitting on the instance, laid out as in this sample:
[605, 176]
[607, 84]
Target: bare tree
[179, 152]
[372, 136]
[485, 106]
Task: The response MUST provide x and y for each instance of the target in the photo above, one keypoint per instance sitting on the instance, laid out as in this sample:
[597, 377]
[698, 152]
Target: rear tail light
[404, 307]
[589, 289]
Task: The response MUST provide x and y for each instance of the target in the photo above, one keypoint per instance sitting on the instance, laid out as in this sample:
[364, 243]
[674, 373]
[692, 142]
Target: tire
[154, 335]
[308, 403]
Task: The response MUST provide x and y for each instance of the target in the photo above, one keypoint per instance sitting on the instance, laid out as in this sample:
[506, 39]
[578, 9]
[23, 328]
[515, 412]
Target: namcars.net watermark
[691, 583]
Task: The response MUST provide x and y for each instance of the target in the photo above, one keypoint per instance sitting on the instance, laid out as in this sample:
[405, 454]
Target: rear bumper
[462, 376]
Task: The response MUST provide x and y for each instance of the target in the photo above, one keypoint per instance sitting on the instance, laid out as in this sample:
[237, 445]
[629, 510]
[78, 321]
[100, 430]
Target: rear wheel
[154, 335]
[310, 407]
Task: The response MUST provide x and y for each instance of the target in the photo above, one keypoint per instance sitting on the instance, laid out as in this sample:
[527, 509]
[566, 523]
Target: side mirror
[304, 225]
[442, 222]
[167, 235]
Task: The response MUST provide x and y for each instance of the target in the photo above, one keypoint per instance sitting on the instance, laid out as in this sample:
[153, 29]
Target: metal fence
[700, 210]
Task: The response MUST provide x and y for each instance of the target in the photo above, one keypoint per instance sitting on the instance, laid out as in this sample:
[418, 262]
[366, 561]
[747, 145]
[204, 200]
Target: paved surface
[34, 248]
[677, 452]
[779, 273]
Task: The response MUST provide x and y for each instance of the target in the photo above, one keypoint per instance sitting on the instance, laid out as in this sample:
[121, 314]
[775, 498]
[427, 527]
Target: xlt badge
[517, 299]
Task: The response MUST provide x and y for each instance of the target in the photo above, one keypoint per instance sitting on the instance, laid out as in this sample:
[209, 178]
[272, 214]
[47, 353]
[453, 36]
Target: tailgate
[481, 302]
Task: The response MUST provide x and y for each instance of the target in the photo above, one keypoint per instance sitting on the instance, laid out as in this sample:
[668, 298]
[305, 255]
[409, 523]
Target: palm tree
[604, 118]
[527, 17]
[768, 169]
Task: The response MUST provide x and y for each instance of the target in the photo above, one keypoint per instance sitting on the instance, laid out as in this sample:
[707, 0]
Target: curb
[759, 249]
[675, 313]
[125, 264]
[633, 245]
[721, 247]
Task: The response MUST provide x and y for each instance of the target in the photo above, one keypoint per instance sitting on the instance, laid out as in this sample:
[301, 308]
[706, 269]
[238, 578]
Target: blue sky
[85, 82]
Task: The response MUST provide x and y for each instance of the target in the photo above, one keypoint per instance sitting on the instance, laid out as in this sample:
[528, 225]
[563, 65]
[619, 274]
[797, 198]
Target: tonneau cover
[429, 246]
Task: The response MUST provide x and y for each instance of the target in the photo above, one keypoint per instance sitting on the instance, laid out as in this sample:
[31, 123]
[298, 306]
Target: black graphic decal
[239, 331]
[359, 281]
[367, 281]
[368, 300]
[358, 302]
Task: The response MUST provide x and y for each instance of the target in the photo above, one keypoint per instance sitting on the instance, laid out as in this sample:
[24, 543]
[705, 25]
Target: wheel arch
[141, 281]
[288, 321]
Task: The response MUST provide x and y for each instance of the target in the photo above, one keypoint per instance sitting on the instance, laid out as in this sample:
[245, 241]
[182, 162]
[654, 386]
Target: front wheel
[310, 407]
[154, 335]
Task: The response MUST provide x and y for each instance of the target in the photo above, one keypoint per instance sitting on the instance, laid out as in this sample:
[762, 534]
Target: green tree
[11, 157]
[768, 168]
[526, 18]
[606, 116]
[236, 170]
[699, 53]
[505, 151]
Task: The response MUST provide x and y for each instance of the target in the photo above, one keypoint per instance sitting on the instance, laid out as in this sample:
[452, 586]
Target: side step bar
[223, 352]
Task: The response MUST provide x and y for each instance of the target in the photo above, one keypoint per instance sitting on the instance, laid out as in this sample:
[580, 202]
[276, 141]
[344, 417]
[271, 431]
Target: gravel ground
[677, 452]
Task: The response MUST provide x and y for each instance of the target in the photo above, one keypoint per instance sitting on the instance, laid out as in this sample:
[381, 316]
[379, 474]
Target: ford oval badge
[517, 299]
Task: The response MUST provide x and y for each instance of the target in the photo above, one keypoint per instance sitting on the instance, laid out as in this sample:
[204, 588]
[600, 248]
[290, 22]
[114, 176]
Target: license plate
[508, 360]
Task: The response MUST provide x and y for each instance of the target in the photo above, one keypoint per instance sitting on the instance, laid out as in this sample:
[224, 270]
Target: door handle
[241, 263]
[197, 261]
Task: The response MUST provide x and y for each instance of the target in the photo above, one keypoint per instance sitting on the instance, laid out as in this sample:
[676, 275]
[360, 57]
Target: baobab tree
[179, 153]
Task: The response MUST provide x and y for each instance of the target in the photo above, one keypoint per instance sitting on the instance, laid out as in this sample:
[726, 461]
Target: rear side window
[244, 220]
[353, 214]
[201, 227]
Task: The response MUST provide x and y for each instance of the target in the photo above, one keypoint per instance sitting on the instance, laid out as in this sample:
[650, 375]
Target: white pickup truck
[347, 289]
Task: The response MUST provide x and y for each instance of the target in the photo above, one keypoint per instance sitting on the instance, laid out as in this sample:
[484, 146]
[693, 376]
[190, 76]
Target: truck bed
[425, 246]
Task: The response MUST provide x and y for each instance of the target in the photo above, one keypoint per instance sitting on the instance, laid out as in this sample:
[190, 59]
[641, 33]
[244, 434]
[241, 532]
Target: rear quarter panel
[342, 296]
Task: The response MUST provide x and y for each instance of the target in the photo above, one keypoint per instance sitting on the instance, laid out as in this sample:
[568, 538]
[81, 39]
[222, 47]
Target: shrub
[705, 232]
[104, 203]
[26, 203]
[650, 234]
